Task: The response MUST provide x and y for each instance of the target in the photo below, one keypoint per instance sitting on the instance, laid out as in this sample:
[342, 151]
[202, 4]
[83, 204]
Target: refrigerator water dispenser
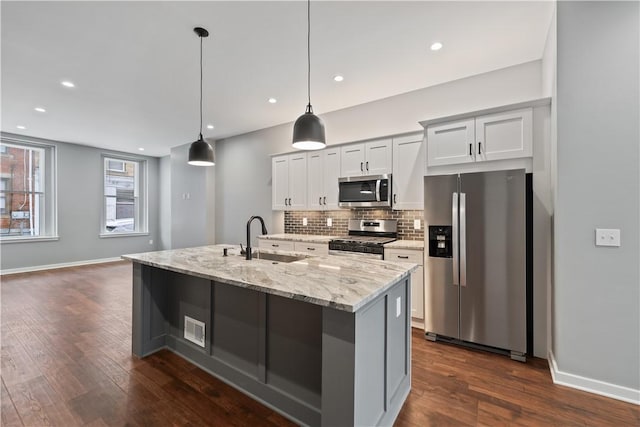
[440, 245]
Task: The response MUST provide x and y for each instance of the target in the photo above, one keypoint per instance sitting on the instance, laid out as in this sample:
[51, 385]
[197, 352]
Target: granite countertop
[406, 244]
[309, 238]
[332, 281]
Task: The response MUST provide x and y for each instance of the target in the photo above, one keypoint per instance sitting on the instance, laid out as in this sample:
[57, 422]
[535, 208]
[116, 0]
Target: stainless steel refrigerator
[475, 290]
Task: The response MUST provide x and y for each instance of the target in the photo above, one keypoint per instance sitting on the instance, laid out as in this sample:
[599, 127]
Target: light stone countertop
[406, 244]
[308, 238]
[343, 283]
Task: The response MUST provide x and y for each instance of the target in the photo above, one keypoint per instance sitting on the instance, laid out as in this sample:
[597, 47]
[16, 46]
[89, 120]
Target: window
[124, 197]
[27, 184]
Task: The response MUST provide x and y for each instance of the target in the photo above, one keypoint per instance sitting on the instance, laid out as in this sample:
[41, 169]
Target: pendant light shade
[200, 151]
[308, 130]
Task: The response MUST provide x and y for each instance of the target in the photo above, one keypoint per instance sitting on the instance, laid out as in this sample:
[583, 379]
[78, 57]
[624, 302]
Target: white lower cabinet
[320, 249]
[417, 279]
[276, 245]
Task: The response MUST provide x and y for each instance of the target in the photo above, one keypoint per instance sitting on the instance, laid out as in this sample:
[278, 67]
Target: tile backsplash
[317, 221]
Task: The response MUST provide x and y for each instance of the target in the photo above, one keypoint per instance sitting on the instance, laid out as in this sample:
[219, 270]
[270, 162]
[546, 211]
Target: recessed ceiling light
[21, 127]
[141, 149]
[210, 126]
[40, 110]
[436, 46]
[67, 83]
[338, 78]
[272, 100]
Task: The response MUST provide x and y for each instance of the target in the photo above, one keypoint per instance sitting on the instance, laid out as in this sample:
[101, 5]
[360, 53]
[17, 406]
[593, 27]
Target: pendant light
[308, 130]
[200, 152]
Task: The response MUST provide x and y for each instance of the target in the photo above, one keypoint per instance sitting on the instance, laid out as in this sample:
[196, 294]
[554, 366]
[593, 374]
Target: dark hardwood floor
[66, 361]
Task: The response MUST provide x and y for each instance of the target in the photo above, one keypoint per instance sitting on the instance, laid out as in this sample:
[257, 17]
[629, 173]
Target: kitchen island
[323, 340]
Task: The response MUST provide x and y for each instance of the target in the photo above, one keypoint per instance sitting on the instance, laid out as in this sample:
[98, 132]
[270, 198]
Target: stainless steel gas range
[366, 238]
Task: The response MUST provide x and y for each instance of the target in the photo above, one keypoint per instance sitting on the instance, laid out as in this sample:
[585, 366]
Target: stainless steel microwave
[364, 191]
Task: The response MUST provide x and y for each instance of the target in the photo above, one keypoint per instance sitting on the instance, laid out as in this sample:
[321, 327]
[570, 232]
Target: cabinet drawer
[278, 245]
[312, 248]
[405, 255]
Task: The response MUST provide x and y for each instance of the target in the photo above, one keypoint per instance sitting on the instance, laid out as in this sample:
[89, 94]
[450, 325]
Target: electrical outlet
[416, 224]
[329, 222]
[608, 237]
[304, 221]
[398, 306]
[151, 241]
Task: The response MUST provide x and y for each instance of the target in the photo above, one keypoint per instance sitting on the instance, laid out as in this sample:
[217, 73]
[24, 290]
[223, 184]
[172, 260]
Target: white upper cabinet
[499, 136]
[451, 143]
[323, 170]
[289, 182]
[370, 158]
[504, 135]
[408, 172]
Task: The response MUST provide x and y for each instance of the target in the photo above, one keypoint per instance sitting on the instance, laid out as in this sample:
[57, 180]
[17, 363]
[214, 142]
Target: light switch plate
[608, 237]
[329, 222]
[398, 306]
[304, 221]
[416, 224]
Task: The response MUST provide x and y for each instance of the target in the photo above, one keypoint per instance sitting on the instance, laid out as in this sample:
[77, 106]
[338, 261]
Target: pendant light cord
[200, 87]
[309, 52]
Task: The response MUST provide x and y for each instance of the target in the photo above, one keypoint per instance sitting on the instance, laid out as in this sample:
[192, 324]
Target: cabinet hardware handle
[289, 201]
[470, 148]
[361, 167]
[285, 201]
[395, 199]
[319, 200]
[367, 166]
[324, 200]
[311, 249]
[403, 256]
[276, 246]
[479, 147]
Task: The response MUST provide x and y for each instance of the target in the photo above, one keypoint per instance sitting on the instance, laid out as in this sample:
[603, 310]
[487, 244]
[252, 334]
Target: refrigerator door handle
[454, 238]
[463, 239]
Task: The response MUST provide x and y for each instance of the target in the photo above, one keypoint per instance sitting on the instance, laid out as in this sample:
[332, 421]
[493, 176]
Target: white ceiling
[135, 64]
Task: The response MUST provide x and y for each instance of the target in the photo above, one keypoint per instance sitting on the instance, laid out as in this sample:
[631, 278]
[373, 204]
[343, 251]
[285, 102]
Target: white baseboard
[592, 386]
[61, 265]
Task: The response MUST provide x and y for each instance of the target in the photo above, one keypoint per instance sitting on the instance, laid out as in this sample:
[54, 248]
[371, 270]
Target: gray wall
[243, 166]
[80, 202]
[597, 293]
[165, 202]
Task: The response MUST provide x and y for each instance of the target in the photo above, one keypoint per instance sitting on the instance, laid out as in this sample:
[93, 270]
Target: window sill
[133, 234]
[26, 239]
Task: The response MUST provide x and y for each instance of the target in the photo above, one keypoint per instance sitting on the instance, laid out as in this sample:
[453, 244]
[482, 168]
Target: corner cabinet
[499, 136]
[408, 172]
[323, 171]
[289, 182]
[368, 158]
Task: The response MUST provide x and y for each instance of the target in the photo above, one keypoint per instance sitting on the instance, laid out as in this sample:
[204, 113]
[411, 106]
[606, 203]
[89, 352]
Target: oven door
[364, 191]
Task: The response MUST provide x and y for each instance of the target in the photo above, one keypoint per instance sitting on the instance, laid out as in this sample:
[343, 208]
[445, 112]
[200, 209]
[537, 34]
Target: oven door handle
[378, 190]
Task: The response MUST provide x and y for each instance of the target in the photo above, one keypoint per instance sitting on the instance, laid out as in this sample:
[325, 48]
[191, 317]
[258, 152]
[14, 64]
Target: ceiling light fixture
[272, 100]
[210, 126]
[21, 127]
[338, 78]
[436, 46]
[40, 110]
[67, 83]
[308, 130]
[141, 149]
[200, 152]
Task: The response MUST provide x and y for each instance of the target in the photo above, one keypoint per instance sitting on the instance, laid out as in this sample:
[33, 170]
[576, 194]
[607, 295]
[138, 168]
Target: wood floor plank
[66, 361]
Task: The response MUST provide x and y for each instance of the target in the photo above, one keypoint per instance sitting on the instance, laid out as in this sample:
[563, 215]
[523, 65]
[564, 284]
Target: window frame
[141, 210]
[49, 226]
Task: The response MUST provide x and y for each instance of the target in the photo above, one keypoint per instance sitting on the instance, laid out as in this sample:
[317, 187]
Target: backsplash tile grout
[317, 221]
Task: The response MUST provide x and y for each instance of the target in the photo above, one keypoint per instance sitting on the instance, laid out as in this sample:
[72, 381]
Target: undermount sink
[277, 257]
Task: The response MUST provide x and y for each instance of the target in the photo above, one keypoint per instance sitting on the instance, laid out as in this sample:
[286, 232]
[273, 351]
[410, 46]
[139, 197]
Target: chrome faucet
[264, 231]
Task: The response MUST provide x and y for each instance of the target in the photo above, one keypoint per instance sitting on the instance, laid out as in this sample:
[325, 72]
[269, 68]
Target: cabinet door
[377, 157]
[274, 244]
[320, 249]
[298, 181]
[352, 162]
[417, 277]
[504, 135]
[408, 173]
[280, 183]
[451, 143]
[315, 180]
[330, 177]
